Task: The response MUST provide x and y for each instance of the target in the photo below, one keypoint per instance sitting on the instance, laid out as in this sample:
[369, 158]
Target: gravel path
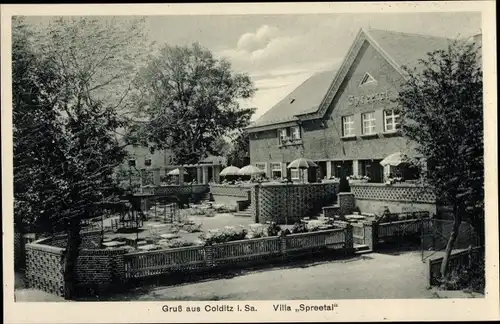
[370, 276]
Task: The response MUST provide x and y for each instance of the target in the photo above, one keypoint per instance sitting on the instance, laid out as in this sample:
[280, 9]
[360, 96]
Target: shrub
[227, 235]
[344, 185]
[273, 229]
[179, 243]
[299, 228]
[465, 278]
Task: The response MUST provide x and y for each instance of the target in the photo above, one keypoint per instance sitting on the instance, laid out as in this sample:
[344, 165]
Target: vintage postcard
[283, 162]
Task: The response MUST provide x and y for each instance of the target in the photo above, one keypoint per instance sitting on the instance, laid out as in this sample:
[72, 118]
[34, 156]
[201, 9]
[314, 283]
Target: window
[131, 162]
[348, 125]
[147, 161]
[295, 131]
[368, 121]
[261, 166]
[367, 78]
[276, 170]
[295, 174]
[282, 133]
[391, 120]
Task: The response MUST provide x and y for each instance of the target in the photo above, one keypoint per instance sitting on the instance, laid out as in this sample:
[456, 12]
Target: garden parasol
[302, 163]
[174, 172]
[394, 159]
[250, 170]
[230, 170]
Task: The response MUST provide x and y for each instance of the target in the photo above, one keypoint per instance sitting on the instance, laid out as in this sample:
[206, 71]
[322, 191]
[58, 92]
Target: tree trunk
[71, 256]
[450, 244]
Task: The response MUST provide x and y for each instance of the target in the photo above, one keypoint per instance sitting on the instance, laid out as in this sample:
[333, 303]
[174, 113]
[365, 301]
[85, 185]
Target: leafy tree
[239, 154]
[442, 110]
[82, 71]
[190, 100]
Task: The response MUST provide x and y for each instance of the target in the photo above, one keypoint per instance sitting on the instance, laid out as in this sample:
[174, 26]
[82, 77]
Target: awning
[394, 159]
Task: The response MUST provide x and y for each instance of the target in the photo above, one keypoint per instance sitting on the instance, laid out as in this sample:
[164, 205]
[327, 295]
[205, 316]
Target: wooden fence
[145, 264]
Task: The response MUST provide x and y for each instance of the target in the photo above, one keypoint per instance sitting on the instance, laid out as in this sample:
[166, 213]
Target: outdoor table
[142, 243]
[113, 244]
[148, 247]
[169, 236]
[355, 217]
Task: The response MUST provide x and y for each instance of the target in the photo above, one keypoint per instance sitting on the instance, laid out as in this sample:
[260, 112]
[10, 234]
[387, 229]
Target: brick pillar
[346, 202]
[157, 177]
[209, 256]
[181, 176]
[284, 170]
[328, 169]
[283, 246]
[217, 169]
[355, 167]
[255, 201]
[370, 228]
[199, 175]
[205, 174]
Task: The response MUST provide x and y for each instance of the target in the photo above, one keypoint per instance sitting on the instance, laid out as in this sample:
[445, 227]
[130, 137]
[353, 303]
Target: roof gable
[399, 49]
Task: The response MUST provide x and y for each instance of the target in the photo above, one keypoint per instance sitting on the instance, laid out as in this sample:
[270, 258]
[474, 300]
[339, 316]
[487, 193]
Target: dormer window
[367, 79]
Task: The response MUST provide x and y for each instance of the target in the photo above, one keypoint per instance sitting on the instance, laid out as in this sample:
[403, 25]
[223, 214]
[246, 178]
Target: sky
[279, 52]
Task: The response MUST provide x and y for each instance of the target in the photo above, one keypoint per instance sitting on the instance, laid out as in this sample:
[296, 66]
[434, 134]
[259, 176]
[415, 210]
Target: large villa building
[346, 120]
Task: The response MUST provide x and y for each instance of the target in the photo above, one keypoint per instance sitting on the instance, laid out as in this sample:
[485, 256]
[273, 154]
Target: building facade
[347, 121]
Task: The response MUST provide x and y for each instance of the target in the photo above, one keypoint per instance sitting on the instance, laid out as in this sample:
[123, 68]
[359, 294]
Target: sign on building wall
[384, 96]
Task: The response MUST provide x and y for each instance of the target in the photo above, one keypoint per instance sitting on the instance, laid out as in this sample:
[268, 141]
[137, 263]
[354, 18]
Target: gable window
[348, 125]
[131, 162]
[295, 131]
[368, 121]
[391, 120]
[367, 78]
[147, 161]
[276, 170]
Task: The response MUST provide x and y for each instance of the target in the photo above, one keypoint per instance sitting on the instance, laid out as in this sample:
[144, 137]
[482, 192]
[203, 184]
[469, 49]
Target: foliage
[239, 154]
[467, 278]
[72, 79]
[228, 234]
[190, 100]
[442, 111]
[273, 229]
[299, 228]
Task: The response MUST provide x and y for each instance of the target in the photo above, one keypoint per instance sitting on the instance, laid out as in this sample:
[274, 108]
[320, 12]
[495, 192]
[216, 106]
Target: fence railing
[145, 264]
[306, 241]
[358, 233]
[458, 259]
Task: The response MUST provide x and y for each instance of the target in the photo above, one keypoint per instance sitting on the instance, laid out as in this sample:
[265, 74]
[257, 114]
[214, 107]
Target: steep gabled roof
[316, 94]
[399, 49]
[305, 97]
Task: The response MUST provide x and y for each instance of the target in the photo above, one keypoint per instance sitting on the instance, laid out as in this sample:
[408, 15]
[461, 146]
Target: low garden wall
[288, 203]
[45, 267]
[401, 197]
[231, 195]
[100, 270]
[458, 259]
[176, 190]
[210, 257]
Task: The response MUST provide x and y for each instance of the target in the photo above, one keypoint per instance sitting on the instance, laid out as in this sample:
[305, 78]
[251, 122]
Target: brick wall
[99, 271]
[373, 197]
[90, 239]
[288, 203]
[44, 267]
[321, 139]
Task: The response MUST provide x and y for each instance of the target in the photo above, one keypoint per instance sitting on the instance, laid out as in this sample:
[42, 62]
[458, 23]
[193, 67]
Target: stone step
[242, 214]
[361, 247]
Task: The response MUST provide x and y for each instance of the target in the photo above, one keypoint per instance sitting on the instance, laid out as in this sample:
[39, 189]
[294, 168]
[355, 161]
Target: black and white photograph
[246, 163]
